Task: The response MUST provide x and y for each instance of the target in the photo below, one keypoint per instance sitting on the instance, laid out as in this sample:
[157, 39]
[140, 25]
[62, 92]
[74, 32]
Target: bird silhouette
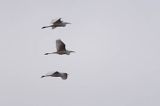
[56, 74]
[57, 23]
[61, 49]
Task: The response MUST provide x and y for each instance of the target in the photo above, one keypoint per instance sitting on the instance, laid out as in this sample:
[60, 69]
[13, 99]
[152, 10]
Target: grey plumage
[61, 49]
[57, 23]
[56, 74]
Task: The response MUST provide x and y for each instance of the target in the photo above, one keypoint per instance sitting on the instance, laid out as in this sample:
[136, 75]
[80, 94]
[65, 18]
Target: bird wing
[56, 73]
[60, 45]
[57, 21]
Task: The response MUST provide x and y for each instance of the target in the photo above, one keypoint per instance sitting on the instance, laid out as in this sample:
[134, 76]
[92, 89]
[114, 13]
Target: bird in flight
[56, 74]
[57, 23]
[61, 49]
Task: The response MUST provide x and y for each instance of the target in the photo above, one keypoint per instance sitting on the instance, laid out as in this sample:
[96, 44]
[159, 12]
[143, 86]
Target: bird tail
[64, 76]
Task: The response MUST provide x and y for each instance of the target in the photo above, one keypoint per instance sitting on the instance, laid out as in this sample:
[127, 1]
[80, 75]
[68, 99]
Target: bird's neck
[51, 53]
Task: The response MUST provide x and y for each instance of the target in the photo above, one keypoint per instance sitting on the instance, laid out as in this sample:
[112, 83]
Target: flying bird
[57, 23]
[56, 74]
[61, 49]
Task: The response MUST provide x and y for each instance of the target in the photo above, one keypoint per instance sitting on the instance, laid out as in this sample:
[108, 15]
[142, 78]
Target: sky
[117, 61]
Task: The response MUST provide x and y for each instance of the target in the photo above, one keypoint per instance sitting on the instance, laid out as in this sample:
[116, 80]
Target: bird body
[56, 74]
[57, 23]
[61, 49]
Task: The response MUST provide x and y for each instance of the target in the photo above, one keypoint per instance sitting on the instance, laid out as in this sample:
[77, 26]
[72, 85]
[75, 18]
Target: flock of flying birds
[60, 46]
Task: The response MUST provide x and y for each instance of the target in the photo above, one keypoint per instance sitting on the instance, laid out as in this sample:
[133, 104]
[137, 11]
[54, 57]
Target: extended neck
[50, 53]
[46, 26]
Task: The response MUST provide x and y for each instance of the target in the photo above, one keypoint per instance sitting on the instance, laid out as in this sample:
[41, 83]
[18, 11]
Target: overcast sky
[117, 59]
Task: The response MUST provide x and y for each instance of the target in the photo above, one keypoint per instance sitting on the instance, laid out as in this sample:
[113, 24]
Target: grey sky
[117, 61]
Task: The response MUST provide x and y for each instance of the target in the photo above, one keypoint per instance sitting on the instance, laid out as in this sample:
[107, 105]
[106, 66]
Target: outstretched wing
[60, 45]
[57, 21]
